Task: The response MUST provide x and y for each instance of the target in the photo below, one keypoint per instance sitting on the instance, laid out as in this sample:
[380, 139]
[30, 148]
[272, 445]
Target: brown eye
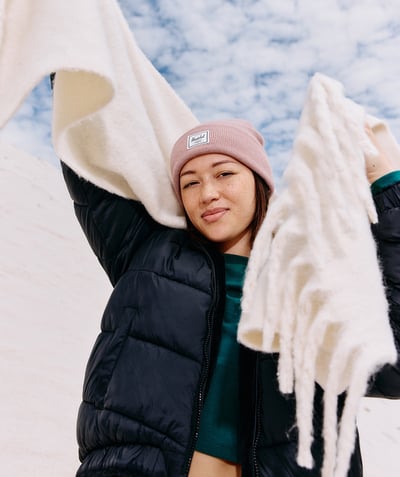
[189, 184]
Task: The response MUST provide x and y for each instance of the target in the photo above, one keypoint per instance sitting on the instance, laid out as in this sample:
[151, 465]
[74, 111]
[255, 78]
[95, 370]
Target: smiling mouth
[213, 215]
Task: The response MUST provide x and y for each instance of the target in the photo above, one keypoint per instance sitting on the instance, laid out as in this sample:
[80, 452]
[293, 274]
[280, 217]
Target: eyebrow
[215, 164]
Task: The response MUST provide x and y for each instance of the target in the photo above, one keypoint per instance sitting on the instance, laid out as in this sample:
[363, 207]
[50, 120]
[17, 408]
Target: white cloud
[253, 59]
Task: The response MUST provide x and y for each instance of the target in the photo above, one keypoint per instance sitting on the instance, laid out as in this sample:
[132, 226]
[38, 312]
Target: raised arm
[385, 183]
[115, 227]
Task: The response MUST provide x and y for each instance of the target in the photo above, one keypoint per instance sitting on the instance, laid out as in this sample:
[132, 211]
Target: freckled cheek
[238, 192]
[232, 189]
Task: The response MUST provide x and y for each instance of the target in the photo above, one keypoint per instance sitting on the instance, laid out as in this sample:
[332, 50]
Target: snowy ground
[52, 293]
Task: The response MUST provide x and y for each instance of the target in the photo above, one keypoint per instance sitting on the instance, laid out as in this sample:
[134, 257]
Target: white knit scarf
[115, 118]
[313, 289]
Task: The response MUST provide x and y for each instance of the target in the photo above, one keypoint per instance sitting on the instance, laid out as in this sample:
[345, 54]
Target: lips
[212, 215]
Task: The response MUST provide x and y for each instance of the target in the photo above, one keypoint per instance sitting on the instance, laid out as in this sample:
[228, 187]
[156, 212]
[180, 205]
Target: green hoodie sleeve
[385, 181]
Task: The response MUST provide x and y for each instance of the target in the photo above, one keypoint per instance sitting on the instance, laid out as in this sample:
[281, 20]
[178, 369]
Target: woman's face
[218, 194]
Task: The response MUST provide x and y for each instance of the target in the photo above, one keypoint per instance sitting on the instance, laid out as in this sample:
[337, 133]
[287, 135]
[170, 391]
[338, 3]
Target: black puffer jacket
[148, 372]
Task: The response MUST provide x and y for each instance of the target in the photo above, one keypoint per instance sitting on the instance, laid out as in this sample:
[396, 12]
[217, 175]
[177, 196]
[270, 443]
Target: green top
[219, 425]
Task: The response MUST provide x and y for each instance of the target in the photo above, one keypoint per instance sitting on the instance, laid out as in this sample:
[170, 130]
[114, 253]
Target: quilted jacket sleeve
[115, 227]
[386, 383]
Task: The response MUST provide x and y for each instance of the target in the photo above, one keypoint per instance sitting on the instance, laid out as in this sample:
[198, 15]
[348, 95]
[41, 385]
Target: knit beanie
[236, 138]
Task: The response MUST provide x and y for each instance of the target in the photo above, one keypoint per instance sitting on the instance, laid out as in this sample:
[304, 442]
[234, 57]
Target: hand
[378, 165]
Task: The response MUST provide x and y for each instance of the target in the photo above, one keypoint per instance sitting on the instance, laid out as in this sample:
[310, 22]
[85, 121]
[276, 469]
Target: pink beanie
[236, 138]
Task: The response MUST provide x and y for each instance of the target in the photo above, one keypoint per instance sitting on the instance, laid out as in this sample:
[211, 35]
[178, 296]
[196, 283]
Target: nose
[209, 192]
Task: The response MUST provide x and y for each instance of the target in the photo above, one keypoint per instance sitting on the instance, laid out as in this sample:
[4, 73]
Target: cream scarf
[115, 118]
[313, 289]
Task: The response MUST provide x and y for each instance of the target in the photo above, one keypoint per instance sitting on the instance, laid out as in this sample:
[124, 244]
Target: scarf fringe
[313, 272]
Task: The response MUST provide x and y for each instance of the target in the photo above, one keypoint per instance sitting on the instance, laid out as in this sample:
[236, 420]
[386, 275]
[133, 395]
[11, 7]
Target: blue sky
[253, 59]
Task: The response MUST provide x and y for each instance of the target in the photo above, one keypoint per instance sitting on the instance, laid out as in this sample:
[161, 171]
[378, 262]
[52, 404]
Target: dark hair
[262, 196]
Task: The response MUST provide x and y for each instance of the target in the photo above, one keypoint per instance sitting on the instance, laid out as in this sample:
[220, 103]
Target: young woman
[168, 390]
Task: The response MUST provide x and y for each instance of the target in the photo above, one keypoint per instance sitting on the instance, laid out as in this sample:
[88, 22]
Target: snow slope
[52, 293]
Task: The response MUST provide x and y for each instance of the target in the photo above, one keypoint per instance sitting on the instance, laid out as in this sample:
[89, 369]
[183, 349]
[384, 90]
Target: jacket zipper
[257, 419]
[206, 367]
[203, 380]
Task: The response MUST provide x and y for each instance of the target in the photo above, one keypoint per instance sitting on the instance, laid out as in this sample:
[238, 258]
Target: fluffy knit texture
[313, 290]
[115, 120]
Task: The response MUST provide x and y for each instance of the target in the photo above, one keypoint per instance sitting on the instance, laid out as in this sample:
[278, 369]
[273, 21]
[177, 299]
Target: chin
[218, 239]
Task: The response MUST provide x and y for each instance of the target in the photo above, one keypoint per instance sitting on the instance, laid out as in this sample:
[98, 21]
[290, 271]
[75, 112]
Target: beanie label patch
[198, 139]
